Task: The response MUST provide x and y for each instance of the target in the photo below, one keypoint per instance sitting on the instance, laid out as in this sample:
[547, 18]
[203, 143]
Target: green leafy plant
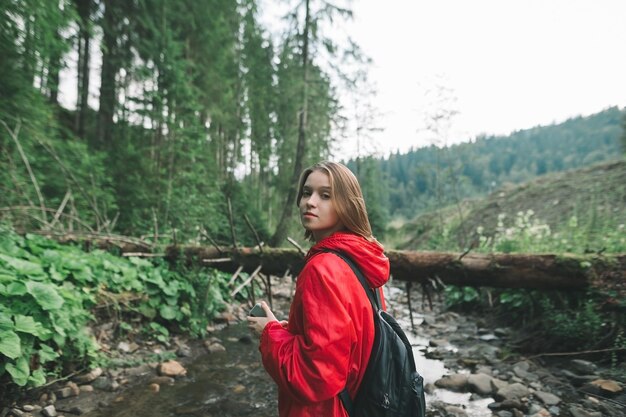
[48, 293]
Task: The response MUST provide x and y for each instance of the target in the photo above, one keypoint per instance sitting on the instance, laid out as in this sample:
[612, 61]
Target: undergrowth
[553, 321]
[51, 293]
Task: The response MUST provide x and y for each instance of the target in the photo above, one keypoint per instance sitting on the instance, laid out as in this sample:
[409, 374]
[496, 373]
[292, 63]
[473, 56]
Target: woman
[326, 343]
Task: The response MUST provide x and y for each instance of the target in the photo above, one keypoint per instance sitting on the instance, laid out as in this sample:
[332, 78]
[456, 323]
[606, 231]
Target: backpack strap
[372, 294]
[374, 297]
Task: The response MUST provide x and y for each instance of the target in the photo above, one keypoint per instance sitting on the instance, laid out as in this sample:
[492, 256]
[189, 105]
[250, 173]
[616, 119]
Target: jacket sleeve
[312, 366]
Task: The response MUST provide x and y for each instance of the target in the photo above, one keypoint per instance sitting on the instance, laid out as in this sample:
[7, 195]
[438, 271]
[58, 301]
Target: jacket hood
[368, 256]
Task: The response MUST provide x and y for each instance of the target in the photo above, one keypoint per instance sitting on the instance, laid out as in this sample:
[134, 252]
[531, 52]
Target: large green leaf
[15, 288]
[7, 276]
[47, 354]
[38, 377]
[27, 324]
[5, 321]
[54, 274]
[167, 312]
[147, 311]
[46, 295]
[22, 267]
[20, 371]
[10, 345]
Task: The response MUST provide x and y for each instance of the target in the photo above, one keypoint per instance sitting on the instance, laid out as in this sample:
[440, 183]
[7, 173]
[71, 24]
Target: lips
[309, 214]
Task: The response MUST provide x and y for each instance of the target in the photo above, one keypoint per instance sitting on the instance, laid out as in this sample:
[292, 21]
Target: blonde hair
[346, 195]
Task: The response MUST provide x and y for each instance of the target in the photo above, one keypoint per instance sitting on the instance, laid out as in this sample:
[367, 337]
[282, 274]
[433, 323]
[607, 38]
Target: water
[234, 383]
[432, 370]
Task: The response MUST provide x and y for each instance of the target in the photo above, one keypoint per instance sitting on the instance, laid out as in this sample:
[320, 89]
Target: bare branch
[294, 243]
[256, 235]
[14, 135]
[57, 215]
[246, 282]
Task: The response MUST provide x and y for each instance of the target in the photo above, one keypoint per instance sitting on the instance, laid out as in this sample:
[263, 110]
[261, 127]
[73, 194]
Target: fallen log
[538, 271]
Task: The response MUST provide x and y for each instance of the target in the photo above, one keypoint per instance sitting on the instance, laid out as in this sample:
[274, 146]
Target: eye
[326, 196]
[306, 193]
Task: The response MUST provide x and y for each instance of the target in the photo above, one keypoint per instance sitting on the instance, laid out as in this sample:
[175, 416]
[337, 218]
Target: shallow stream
[234, 383]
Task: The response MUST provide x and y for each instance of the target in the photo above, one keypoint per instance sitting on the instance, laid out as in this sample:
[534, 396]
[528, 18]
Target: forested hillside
[576, 211]
[432, 177]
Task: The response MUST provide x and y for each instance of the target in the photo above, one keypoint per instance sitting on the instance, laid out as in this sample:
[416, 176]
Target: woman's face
[317, 209]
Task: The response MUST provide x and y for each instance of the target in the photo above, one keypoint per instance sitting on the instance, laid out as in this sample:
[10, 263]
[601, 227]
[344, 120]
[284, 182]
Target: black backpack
[391, 386]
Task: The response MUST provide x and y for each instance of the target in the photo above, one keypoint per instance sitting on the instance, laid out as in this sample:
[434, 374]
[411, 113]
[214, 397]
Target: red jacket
[329, 338]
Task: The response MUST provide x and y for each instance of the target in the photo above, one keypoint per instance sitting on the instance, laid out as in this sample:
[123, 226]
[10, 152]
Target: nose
[312, 200]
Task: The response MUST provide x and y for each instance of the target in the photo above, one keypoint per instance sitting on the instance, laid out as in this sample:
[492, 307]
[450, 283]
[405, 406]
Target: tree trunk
[283, 225]
[538, 271]
[84, 12]
[110, 67]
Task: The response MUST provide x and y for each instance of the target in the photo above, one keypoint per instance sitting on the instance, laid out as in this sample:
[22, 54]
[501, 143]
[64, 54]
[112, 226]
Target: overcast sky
[505, 65]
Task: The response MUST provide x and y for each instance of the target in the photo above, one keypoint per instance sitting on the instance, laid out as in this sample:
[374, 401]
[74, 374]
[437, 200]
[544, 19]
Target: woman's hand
[257, 324]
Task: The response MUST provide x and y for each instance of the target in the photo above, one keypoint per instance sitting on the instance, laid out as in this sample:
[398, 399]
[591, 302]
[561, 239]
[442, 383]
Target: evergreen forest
[181, 109]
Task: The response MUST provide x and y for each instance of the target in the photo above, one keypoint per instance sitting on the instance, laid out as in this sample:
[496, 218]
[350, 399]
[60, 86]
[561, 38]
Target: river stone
[524, 374]
[74, 387]
[216, 347]
[504, 413]
[86, 388]
[65, 392]
[123, 347]
[501, 332]
[523, 365]
[541, 413]
[610, 410]
[184, 351]
[28, 408]
[482, 369]
[429, 388]
[512, 392]
[103, 383]
[512, 405]
[581, 412]
[437, 342]
[16, 412]
[607, 385]
[485, 351]
[554, 410]
[454, 382]
[547, 398]
[480, 383]
[578, 379]
[583, 367]
[497, 384]
[454, 411]
[49, 411]
[154, 387]
[171, 368]
[88, 377]
[238, 389]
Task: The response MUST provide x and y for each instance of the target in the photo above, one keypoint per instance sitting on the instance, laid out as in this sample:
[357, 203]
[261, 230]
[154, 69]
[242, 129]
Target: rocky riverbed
[468, 367]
